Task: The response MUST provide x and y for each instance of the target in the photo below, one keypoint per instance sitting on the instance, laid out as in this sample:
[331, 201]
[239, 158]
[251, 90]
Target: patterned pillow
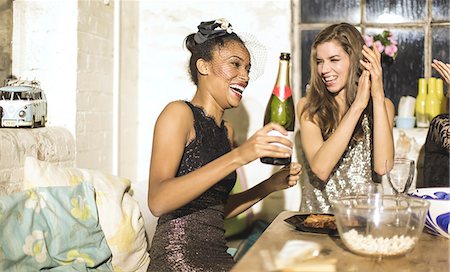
[119, 214]
[52, 228]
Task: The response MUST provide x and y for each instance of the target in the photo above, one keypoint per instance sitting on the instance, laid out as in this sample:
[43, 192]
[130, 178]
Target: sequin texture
[353, 168]
[191, 238]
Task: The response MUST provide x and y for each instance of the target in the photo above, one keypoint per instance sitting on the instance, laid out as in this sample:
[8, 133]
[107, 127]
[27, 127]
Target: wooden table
[431, 254]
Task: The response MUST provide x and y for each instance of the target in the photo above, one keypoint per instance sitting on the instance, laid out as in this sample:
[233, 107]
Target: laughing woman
[346, 122]
[193, 165]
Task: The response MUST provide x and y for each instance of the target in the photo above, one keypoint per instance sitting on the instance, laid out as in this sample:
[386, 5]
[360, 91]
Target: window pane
[326, 11]
[395, 11]
[401, 75]
[440, 10]
[307, 38]
[441, 45]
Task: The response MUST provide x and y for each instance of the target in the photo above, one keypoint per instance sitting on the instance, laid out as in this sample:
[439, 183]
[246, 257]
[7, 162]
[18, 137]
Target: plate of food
[324, 223]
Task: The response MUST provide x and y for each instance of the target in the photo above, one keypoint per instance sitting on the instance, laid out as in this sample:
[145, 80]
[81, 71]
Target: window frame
[427, 24]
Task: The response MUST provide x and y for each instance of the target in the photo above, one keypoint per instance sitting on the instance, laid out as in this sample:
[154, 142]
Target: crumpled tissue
[297, 256]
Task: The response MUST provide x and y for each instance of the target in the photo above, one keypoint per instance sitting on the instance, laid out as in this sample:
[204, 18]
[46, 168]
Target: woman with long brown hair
[345, 120]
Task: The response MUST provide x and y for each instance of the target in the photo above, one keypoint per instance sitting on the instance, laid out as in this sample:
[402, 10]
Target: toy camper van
[22, 104]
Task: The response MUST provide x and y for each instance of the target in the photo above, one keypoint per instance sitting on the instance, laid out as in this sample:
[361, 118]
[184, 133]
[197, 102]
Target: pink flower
[390, 50]
[392, 39]
[385, 42]
[379, 46]
[368, 40]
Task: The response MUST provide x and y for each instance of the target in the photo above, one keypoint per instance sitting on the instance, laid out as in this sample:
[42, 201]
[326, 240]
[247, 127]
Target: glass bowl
[380, 225]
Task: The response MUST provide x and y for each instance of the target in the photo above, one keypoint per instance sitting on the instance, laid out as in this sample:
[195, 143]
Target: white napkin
[406, 106]
[297, 256]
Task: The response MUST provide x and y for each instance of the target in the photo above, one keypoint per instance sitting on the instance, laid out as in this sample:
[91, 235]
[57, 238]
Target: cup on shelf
[405, 122]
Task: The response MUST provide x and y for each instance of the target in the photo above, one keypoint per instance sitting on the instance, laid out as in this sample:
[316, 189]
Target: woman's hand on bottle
[443, 69]
[286, 177]
[261, 144]
[373, 65]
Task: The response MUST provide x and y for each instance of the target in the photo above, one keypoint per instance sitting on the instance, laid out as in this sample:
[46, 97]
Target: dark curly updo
[210, 36]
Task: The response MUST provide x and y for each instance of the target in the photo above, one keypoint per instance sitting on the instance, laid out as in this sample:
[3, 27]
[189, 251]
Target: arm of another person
[444, 70]
[383, 113]
[286, 177]
[173, 129]
[324, 155]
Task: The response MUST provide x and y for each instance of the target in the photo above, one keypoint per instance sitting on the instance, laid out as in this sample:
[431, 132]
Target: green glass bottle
[280, 108]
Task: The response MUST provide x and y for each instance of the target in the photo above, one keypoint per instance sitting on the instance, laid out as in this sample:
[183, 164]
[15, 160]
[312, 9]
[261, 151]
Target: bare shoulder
[388, 103]
[176, 115]
[301, 103]
[389, 106]
[300, 106]
[177, 107]
[177, 110]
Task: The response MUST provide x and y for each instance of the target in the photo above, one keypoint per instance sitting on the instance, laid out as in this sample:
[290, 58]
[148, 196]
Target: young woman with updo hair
[193, 165]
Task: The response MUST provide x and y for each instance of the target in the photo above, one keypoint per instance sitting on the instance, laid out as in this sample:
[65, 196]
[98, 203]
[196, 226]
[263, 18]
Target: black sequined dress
[191, 238]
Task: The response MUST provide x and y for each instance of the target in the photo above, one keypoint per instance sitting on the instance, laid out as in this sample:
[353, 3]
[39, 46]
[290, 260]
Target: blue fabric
[259, 226]
[52, 228]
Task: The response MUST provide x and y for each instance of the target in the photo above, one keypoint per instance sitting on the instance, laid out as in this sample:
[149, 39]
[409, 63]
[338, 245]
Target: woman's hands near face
[261, 144]
[443, 69]
[286, 177]
[373, 66]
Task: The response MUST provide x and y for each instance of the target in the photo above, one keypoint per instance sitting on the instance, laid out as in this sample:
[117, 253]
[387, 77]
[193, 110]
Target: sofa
[54, 216]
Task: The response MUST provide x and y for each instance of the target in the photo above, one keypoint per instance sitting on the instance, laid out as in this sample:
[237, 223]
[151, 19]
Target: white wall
[129, 118]
[44, 48]
[95, 63]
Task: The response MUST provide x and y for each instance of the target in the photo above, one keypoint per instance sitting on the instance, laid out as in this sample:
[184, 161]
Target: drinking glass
[401, 175]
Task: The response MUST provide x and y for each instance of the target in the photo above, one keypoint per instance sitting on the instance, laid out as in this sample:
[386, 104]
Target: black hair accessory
[212, 29]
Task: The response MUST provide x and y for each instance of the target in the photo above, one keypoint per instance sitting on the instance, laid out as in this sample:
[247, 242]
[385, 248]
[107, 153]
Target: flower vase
[440, 94]
[432, 103]
[421, 115]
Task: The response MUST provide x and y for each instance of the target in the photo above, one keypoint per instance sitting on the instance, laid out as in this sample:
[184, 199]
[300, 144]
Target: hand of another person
[373, 65]
[286, 177]
[443, 69]
[261, 144]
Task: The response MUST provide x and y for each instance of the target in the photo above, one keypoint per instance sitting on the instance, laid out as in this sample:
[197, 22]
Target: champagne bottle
[421, 115]
[280, 108]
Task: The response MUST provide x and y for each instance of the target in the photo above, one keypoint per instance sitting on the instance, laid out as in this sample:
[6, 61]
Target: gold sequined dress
[191, 238]
[353, 168]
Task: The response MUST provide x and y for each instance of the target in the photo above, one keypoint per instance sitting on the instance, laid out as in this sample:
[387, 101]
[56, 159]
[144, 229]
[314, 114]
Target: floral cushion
[119, 214]
[52, 228]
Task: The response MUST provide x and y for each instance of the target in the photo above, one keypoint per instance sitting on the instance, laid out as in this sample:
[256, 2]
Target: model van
[22, 104]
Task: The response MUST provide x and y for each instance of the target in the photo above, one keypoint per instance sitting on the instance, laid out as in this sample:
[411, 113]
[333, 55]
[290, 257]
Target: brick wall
[94, 77]
[5, 38]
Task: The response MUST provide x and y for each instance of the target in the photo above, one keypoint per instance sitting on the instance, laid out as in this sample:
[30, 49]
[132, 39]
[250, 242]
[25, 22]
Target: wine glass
[401, 175]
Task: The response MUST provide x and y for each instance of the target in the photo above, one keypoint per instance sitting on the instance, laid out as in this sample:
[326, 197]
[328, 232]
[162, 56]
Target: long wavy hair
[321, 107]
